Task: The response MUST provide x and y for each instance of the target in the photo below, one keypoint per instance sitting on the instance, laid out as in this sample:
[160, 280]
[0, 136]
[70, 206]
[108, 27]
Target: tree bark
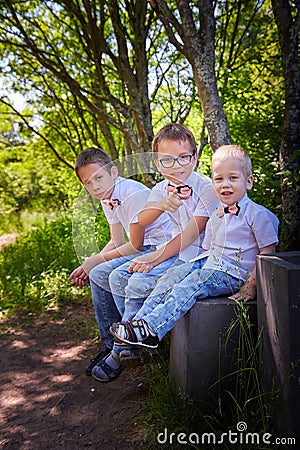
[198, 46]
[288, 29]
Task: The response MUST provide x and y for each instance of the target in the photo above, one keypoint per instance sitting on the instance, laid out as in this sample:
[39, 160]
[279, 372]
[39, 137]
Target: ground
[47, 401]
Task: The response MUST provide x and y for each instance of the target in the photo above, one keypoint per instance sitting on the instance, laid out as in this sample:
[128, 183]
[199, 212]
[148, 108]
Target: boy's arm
[135, 245]
[153, 210]
[116, 237]
[79, 276]
[248, 290]
[180, 242]
[113, 249]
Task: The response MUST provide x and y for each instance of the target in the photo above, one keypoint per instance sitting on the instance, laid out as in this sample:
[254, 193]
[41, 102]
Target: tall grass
[245, 399]
[34, 271]
[249, 402]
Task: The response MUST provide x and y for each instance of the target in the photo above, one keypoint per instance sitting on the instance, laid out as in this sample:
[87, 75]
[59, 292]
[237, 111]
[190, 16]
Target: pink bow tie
[184, 191]
[112, 203]
[234, 210]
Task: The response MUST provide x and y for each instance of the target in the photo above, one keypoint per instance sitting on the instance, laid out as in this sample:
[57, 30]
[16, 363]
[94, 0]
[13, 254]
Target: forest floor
[47, 401]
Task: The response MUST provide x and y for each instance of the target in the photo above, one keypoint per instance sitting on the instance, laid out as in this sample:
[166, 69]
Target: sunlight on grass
[34, 270]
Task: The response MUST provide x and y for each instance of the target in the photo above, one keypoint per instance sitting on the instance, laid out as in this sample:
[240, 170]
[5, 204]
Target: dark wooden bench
[197, 354]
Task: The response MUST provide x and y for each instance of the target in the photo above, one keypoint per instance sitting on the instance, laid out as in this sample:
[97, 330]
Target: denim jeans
[164, 286]
[106, 311]
[130, 289]
[200, 283]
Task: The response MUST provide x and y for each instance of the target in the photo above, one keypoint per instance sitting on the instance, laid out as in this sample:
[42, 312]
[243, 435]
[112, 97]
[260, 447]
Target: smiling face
[97, 180]
[182, 168]
[229, 180]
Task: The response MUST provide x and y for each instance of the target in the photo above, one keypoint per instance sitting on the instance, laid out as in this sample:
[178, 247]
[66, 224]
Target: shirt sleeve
[134, 203]
[206, 243]
[264, 225]
[158, 192]
[109, 214]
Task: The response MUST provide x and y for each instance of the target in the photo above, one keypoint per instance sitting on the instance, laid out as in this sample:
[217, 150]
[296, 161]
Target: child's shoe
[136, 332]
[108, 369]
[94, 361]
[130, 358]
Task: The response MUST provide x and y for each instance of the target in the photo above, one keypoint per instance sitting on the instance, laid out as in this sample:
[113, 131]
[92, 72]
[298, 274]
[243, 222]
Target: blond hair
[234, 151]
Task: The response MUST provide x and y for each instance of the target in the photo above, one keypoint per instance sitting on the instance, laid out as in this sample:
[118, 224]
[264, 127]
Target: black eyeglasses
[182, 160]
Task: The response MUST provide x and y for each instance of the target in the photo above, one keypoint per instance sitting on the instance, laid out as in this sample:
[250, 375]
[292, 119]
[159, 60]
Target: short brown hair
[234, 151]
[173, 132]
[93, 155]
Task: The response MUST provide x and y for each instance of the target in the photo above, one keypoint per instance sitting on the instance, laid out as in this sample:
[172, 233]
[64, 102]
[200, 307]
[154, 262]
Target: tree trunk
[288, 29]
[198, 46]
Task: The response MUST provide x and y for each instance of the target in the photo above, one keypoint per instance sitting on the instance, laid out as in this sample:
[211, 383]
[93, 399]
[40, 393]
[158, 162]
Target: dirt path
[47, 401]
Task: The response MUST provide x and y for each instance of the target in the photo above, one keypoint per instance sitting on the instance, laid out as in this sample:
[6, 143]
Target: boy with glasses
[189, 199]
[238, 230]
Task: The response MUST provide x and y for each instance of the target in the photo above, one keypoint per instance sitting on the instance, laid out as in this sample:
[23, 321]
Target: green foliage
[34, 271]
[73, 103]
[251, 85]
[30, 181]
[248, 401]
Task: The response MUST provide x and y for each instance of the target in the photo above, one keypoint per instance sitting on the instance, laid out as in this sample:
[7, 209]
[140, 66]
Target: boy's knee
[112, 278]
[99, 272]
[115, 276]
[140, 286]
[119, 274]
[92, 274]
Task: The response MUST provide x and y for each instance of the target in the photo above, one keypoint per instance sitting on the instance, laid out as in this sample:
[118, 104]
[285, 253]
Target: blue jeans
[164, 286]
[130, 289]
[106, 311]
[200, 283]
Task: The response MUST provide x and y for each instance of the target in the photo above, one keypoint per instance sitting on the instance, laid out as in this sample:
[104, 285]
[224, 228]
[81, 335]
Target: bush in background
[34, 271]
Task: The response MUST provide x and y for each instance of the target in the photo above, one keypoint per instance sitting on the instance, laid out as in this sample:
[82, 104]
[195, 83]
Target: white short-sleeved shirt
[203, 202]
[234, 241]
[133, 196]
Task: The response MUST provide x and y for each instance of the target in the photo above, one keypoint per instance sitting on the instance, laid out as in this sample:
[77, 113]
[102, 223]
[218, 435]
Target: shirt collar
[116, 191]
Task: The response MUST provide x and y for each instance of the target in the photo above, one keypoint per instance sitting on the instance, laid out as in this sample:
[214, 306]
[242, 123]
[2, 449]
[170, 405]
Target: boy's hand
[142, 264]
[79, 277]
[140, 267]
[172, 202]
[246, 293]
